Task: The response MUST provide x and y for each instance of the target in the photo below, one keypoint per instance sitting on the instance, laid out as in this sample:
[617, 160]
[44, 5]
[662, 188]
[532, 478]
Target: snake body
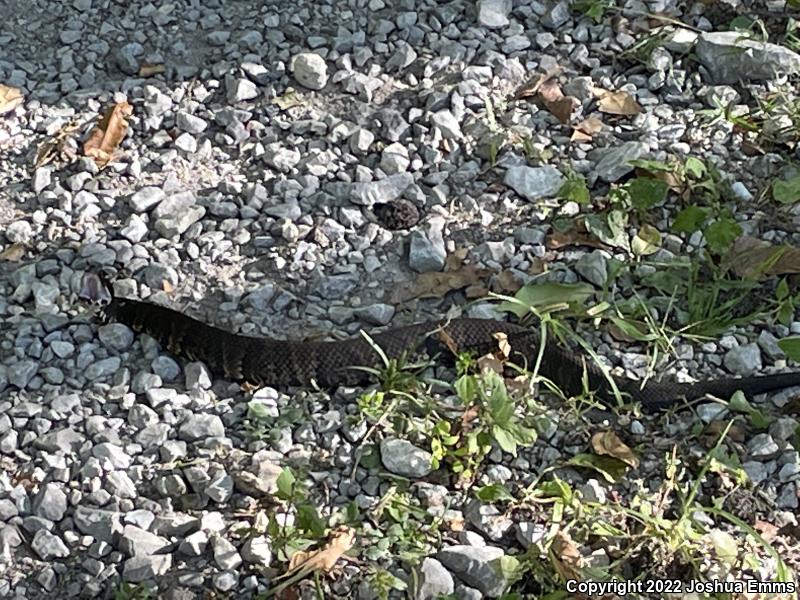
[263, 361]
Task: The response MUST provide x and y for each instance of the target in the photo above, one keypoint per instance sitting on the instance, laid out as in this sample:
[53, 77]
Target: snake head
[96, 291]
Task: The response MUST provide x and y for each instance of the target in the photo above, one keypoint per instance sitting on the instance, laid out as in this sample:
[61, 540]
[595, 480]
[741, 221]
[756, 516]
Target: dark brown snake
[263, 361]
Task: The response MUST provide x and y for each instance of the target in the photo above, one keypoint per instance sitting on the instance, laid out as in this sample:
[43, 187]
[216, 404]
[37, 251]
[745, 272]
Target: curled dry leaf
[607, 443]
[618, 103]
[566, 557]
[104, 139]
[61, 146]
[586, 130]
[10, 98]
[436, 285]
[325, 558]
[554, 100]
[752, 258]
[531, 87]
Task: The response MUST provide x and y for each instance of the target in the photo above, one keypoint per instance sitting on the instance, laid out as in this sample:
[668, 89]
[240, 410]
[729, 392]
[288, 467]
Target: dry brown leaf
[554, 100]
[325, 558]
[10, 98]
[446, 339]
[586, 130]
[607, 443]
[528, 89]
[147, 70]
[506, 282]
[753, 258]
[566, 557]
[577, 235]
[455, 259]
[13, 253]
[490, 362]
[436, 285]
[619, 103]
[104, 139]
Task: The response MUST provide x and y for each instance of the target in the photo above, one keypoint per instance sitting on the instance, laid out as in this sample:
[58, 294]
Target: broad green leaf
[609, 228]
[695, 167]
[575, 189]
[725, 545]
[646, 192]
[308, 520]
[545, 295]
[494, 492]
[721, 234]
[646, 241]
[285, 484]
[791, 346]
[689, 219]
[466, 388]
[505, 440]
[786, 191]
[556, 488]
[654, 166]
[610, 468]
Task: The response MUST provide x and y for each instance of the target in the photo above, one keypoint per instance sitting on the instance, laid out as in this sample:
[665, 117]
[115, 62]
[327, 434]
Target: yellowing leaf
[646, 241]
[607, 443]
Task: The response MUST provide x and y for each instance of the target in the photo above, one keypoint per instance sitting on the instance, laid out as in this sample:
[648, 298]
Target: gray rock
[593, 267]
[257, 550]
[48, 545]
[225, 554]
[373, 192]
[142, 568]
[127, 58]
[190, 123]
[240, 90]
[769, 344]
[534, 183]
[120, 485]
[50, 503]
[102, 368]
[201, 426]
[476, 566]
[729, 57]
[488, 519]
[447, 123]
[118, 458]
[146, 198]
[19, 374]
[427, 250]
[763, 447]
[115, 336]
[376, 314]
[434, 580]
[139, 542]
[41, 179]
[403, 458]
[743, 360]
[556, 16]
[310, 70]
[135, 230]
[493, 14]
[614, 161]
[194, 544]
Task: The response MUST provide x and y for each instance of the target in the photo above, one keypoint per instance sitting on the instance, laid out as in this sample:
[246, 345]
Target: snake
[263, 361]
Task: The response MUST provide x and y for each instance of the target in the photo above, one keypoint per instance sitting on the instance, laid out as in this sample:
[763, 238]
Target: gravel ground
[256, 189]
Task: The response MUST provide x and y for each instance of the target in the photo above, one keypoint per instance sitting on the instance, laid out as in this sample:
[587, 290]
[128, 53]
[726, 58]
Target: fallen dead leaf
[767, 530]
[586, 130]
[437, 284]
[10, 98]
[104, 139]
[531, 87]
[554, 100]
[566, 557]
[576, 235]
[753, 258]
[288, 100]
[324, 559]
[13, 253]
[618, 103]
[607, 443]
[147, 70]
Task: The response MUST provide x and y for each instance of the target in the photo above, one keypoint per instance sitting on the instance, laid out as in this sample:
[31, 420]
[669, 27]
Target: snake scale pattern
[263, 361]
